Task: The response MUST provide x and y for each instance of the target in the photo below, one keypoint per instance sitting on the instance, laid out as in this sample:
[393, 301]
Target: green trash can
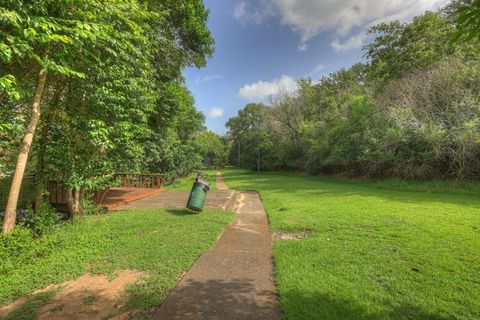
[198, 195]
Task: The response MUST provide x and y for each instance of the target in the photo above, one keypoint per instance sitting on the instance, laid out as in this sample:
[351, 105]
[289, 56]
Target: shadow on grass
[301, 306]
[182, 212]
[216, 299]
[219, 299]
[27, 310]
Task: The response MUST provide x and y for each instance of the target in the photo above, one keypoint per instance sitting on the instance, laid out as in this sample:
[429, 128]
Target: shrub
[15, 247]
[42, 222]
[90, 208]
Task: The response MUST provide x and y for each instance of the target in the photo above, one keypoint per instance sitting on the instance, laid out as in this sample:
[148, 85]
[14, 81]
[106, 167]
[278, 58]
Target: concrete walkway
[221, 185]
[235, 279]
[220, 199]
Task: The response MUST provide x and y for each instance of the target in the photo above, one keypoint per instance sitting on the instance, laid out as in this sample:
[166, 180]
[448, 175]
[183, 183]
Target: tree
[213, 149]
[109, 71]
[399, 49]
[257, 141]
[468, 20]
[172, 147]
[11, 209]
[411, 112]
[31, 43]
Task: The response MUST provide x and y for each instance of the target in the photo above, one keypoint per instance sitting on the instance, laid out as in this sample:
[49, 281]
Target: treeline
[411, 111]
[93, 87]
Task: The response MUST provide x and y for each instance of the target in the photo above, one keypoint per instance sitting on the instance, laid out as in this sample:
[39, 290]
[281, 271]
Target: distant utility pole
[238, 154]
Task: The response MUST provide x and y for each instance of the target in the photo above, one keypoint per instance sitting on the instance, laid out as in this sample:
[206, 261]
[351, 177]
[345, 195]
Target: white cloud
[311, 17]
[240, 11]
[215, 113]
[354, 42]
[262, 90]
[256, 12]
[208, 79]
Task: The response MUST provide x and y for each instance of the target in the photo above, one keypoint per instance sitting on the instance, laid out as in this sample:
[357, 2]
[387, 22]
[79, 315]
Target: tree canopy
[113, 99]
[411, 111]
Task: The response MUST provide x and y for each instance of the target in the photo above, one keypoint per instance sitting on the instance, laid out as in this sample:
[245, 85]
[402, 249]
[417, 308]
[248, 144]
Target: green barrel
[196, 202]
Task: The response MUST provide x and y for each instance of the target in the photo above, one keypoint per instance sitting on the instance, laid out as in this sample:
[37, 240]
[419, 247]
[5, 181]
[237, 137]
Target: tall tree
[11, 210]
[110, 65]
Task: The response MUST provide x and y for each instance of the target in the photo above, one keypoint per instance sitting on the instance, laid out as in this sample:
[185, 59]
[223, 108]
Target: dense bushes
[434, 118]
[213, 149]
[20, 245]
[16, 247]
[413, 111]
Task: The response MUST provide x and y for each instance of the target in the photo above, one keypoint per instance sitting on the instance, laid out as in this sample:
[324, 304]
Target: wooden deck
[117, 197]
[135, 186]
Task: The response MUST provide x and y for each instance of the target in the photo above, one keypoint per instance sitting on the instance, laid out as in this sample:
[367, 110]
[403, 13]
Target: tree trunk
[11, 210]
[77, 200]
[73, 201]
[40, 170]
[42, 145]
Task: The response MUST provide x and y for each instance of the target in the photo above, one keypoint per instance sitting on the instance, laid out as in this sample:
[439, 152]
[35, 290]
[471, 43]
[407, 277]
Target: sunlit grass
[162, 243]
[377, 250]
[186, 183]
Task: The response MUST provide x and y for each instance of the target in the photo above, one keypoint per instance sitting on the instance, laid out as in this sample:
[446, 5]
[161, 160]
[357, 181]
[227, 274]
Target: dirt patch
[284, 235]
[88, 297]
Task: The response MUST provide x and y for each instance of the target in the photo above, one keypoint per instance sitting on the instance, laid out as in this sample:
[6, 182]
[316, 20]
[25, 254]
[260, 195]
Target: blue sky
[262, 46]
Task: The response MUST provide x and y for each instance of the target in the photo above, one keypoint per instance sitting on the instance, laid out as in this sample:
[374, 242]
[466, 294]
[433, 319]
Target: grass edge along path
[186, 183]
[372, 253]
[162, 243]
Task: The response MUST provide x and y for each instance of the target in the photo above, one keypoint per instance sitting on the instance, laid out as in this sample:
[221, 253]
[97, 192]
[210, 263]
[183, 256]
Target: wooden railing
[141, 180]
[57, 192]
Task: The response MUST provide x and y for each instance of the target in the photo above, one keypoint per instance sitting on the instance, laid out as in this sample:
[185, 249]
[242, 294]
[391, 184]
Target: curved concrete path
[235, 279]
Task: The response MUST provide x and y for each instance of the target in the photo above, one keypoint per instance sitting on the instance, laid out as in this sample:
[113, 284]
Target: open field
[161, 243]
[376, 250]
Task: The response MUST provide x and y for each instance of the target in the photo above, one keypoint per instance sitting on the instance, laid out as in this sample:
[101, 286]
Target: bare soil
[281, 235]
[88, 297]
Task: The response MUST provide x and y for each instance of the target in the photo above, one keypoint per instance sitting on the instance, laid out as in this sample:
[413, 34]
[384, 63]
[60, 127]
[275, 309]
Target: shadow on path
[219, 299]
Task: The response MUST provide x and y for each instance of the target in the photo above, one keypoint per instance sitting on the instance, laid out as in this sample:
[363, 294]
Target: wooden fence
[57, 195]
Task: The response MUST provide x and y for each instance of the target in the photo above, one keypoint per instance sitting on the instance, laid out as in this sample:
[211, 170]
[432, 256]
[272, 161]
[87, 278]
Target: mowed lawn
[377, 250]
[161, 243]
[186, 183]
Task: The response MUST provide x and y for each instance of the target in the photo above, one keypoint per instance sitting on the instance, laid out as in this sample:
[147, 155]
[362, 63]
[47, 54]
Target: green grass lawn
[377, 250]
[163, 243]
[186, 183]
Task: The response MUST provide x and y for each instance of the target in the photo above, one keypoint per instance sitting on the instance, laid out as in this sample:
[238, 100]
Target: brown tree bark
[40, 170]
[73, 201]
[11, 210]
[77, 200]
[42, 145]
